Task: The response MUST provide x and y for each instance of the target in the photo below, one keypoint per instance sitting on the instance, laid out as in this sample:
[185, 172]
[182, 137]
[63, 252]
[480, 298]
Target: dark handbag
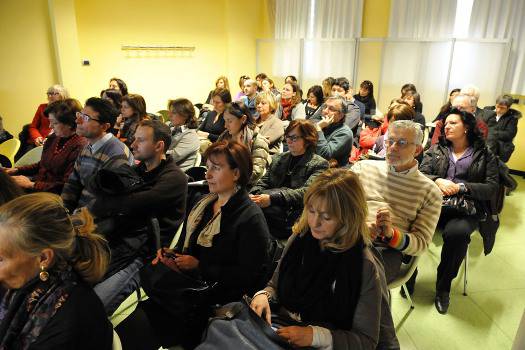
[179, 294]
[237, 326]
[460, 204]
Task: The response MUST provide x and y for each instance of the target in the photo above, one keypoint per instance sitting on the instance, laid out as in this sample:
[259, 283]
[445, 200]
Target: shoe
[442, 302]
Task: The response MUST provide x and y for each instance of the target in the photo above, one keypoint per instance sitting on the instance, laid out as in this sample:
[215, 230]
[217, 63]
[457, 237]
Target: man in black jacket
[161, 194]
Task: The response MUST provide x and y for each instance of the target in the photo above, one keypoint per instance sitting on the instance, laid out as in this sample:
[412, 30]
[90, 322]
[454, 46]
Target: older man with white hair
[403, 204]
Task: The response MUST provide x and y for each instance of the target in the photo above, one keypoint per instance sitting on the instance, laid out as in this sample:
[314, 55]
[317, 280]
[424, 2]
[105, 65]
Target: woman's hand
[261, 306]
[39, 141]
[186, 262]
[262, 200]
[23, 181]
[11, 171]
[447, 187]
[297, 336]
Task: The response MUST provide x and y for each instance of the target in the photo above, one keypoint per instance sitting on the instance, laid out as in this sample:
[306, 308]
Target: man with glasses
[335, 137]
[403, 204]
[103, 150]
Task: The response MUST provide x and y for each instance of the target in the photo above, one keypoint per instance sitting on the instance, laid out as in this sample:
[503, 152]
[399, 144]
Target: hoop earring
[44, 275]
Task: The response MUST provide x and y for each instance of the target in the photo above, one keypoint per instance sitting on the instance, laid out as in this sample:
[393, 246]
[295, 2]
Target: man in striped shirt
[403, 204]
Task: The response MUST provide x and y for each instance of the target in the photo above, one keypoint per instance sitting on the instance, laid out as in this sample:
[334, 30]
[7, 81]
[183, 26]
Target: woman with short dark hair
[460, 165]
[280, 191]
[225, 241]
[59, 153]
[118, 84]
[315, 100]
[185, 143]
[366, 96]
[213, 124]
[329, 282]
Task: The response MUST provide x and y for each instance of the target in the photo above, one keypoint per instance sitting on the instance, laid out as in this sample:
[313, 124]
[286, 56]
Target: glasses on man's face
[292, 138]
[402, 143]
[332, 108]
[86, 118]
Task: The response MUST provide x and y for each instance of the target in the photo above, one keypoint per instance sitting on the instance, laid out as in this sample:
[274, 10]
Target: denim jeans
[115, 289]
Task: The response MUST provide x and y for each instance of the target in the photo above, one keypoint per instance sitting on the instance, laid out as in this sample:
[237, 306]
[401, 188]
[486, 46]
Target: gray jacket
[273, 130]
[373, 327]
[184, 147]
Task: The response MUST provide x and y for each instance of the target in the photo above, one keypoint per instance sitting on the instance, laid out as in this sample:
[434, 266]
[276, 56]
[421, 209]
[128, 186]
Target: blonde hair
[268, 97]
[62, 91]
[225, 80]
[37, 221]
[344, 198]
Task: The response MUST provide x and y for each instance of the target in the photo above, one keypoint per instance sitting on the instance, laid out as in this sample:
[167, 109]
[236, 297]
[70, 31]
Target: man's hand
[297, 336]
[384, 222]
[325, 121]
[186, 262]
[262, 200]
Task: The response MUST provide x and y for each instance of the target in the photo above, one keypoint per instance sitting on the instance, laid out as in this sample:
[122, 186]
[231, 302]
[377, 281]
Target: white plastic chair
[117, 345]
[31, 157]
[404, 275]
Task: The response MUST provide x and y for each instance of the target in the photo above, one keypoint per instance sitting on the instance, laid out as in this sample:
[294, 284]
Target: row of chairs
[9, 148]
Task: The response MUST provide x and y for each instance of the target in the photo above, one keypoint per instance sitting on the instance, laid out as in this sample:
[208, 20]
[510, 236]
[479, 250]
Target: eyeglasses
[293, 138]
[86, 118]
[332, 108]
[53, 93]
[402, 143]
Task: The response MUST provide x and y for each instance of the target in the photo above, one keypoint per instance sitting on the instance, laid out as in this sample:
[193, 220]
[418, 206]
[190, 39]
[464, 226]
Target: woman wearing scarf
[49, 262]
[291, 107]
[329, 278]
[226, 241]
[241, 128]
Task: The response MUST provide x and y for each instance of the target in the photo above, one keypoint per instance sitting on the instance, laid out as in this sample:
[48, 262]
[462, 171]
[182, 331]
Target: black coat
[161, 194]
[502, 133]
[238, 258]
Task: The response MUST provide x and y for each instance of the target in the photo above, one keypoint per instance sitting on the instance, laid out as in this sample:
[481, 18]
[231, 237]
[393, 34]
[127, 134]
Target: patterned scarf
[212, 228]
[287, 108]
[25, 312]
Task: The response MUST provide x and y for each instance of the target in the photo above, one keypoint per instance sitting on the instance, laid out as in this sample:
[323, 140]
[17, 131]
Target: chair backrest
[9, 149]
[117, 345]
[31, 157]
[405, 273]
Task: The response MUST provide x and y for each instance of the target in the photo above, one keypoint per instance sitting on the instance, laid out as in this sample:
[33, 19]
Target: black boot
[442, 301]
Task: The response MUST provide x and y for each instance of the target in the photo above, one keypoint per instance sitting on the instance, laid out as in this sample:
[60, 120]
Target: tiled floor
[488, 317]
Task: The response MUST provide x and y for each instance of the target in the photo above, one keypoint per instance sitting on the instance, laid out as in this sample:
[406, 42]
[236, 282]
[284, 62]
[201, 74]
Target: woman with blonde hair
[220, 83]
[329, 275]
[269, 125]
[49, 261]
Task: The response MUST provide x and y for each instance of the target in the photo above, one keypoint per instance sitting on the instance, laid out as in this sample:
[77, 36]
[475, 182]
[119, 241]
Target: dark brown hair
[224, 95]
[161, 132]
[65, 111]
[307, 130]
[401, 111]
[137, 104]
[184, 108]
[238, 157]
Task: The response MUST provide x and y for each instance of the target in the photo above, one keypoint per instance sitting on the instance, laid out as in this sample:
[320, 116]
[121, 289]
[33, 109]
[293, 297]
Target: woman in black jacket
[460, 164]
[226, 242]
[503, 127]
[280, 191]
[49, 260]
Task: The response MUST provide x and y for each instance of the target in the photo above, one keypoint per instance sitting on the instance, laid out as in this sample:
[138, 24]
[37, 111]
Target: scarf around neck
[25, 312]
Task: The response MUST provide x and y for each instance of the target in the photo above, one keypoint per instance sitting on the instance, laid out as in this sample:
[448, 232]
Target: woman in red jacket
[39, 127]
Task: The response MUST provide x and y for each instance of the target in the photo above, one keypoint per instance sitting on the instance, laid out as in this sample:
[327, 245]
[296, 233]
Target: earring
[44, 275]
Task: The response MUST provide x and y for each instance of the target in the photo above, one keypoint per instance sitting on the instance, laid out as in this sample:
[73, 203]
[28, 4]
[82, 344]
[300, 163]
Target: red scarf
[287, 108]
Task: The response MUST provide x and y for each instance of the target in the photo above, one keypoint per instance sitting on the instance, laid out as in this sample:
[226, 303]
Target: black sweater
[213, 129]
[238, 257]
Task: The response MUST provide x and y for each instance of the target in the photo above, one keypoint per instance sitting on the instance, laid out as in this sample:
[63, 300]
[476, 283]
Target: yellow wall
[27, 62]
[45, 46]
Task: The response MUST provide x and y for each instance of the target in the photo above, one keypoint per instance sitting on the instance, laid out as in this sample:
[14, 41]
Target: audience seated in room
[240, 127]
[127, 215]
[49, 262]
[280, 191]
[185, 143]
[459, 164]
[225, 240]
[59, 154]
[403, 204]
[331, 243]
[269, 125]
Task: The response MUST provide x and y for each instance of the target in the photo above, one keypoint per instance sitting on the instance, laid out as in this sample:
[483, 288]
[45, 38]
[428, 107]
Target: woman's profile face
[233, 124]
[220, 84]
[126, 110]
[323, 225]
[16, 267]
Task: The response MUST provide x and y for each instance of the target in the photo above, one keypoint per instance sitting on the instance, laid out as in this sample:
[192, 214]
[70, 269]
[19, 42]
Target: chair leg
[465, 275]
[408, 296]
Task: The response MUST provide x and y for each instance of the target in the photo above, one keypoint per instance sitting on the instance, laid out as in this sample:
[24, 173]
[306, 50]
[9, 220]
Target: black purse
[460, 204]
[179, 294]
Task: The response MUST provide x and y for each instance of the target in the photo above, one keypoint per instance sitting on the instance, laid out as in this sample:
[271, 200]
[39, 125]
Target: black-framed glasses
[402, 143]
[86, 118]
[293, 138]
